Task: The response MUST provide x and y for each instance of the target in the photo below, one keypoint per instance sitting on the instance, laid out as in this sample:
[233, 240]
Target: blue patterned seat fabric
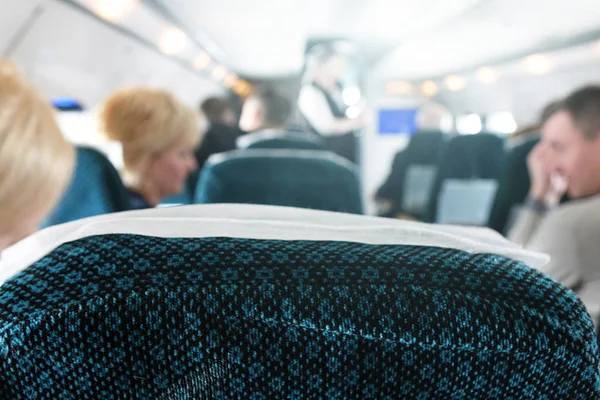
[318, 180]
[96, 188]
[136, 317]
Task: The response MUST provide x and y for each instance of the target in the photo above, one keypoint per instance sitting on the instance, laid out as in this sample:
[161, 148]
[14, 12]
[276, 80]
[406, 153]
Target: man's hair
[549, 110]
[584, 107]
[277, 108]
[214, 108]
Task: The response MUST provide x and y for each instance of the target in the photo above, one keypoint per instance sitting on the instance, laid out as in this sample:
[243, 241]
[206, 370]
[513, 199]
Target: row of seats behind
[292, 169]
[470, 180]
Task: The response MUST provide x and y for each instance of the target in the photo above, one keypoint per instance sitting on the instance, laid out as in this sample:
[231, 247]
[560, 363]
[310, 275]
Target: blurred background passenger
[159, 136]
[432, 119]
[567, 160]
[267, 110]
[222, 132]
[36, 161]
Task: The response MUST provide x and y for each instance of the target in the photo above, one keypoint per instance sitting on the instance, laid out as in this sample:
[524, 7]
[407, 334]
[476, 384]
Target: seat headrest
[282, 154]
[293, 139]
[240, 317]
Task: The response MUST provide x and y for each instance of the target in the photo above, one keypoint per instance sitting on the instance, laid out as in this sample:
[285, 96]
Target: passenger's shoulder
[577, 212]
[587, 206]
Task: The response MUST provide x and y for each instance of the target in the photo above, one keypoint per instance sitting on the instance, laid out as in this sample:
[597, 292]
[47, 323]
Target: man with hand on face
[567, 160]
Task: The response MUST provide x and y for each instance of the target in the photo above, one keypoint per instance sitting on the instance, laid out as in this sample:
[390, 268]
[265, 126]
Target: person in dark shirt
[222, 133]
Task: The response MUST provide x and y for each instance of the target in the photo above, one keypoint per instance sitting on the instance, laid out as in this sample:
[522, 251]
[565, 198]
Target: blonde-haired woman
[36, 161]
[159, 135]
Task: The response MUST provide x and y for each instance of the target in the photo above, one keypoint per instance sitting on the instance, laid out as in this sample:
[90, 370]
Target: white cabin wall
[13, 16]
[66, 52]
[69, 53]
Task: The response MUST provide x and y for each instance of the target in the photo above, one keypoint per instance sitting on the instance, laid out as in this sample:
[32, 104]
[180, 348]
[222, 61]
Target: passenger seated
[423, 150]
[222, 133]
[567, 159]
[515, 184]
[36, 161]
[159, 135]
[434, 117]
[266, 111]
[267, 116]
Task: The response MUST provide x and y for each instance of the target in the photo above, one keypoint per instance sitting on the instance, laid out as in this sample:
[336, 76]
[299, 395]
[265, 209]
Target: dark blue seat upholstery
[424, 148]
[281, 140]
[318, 180]
[478, 156]
[139, 317]
[96, 188]
[514, 185]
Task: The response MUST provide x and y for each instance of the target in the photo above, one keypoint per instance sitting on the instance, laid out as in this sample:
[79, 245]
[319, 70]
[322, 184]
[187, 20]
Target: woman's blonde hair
[147, 122]
[36, 161]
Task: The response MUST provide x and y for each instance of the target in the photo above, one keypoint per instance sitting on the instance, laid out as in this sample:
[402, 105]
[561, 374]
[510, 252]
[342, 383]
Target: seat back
[425, 147]
[305, 179]
[410, 174]
[95, 189]
[470, 157]
[514, 186]
[281, 140]
[417, 188]
[128, 316]
[466, 201]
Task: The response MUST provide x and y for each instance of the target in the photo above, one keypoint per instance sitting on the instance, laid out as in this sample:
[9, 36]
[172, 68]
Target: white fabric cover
[262, 222]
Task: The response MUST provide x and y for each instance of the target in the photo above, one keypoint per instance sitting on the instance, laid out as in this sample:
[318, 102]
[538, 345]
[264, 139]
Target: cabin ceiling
[266, 38]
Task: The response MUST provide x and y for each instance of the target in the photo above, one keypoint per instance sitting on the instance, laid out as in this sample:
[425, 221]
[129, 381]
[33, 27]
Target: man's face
[572, 155]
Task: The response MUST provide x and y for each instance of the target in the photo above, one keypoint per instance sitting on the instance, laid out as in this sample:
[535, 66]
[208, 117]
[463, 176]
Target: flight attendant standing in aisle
[321, 103]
